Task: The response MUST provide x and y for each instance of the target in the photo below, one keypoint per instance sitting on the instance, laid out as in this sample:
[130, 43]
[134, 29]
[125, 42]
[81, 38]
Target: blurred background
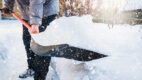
[103, 11]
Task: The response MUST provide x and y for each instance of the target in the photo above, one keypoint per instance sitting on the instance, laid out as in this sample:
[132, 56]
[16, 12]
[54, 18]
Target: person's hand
[6, 11]
[34, 29]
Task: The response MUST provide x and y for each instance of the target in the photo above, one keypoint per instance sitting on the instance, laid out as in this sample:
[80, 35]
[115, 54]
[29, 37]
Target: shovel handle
[23, 22]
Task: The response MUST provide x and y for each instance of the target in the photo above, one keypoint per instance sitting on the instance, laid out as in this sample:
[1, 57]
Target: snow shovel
[65, 51]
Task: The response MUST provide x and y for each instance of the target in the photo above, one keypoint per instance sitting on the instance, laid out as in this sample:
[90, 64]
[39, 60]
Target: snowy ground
[123, 44]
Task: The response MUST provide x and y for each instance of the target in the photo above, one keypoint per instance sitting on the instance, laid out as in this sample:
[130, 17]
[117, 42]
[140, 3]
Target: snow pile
[82, 32]
[123, 44]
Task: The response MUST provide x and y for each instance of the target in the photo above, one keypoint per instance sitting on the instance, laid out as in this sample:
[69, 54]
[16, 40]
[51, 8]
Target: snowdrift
[82, 32]
[68, 44]
[123, 44]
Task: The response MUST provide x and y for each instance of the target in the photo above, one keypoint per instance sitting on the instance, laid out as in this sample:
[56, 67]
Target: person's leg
[41, 67]
[46, 21]
[30, 54]
[41, 62]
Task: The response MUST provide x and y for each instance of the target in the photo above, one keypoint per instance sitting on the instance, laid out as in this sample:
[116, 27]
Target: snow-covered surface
[132, 5]
[12, 54]
[123, 44]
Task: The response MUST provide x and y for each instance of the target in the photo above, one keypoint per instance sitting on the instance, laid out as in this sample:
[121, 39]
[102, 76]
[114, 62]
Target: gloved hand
[35, 28]
[6, 11]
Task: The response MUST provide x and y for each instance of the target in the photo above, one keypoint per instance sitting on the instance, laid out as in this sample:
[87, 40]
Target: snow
[132, 5]
[123, 44]
[12, 50]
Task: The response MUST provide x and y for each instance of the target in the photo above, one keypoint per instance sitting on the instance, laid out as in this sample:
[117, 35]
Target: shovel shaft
[23, 22]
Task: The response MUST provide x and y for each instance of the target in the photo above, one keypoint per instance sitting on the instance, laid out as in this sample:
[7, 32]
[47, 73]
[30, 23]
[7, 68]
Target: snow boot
[27, 73]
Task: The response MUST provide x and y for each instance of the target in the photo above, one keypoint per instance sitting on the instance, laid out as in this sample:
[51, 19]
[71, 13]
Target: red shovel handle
[23, 22]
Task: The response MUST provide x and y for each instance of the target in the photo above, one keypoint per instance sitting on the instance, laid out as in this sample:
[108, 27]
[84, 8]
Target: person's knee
[42, 63]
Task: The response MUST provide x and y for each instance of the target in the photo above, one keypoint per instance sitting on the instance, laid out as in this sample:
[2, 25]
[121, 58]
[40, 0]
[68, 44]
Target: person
[39, 14]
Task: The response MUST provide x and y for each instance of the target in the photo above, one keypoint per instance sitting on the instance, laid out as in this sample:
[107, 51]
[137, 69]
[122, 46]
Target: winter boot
[27, 73]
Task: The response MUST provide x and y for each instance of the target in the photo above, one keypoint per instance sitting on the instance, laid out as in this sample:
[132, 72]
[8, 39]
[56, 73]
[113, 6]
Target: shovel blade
[66, 51]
